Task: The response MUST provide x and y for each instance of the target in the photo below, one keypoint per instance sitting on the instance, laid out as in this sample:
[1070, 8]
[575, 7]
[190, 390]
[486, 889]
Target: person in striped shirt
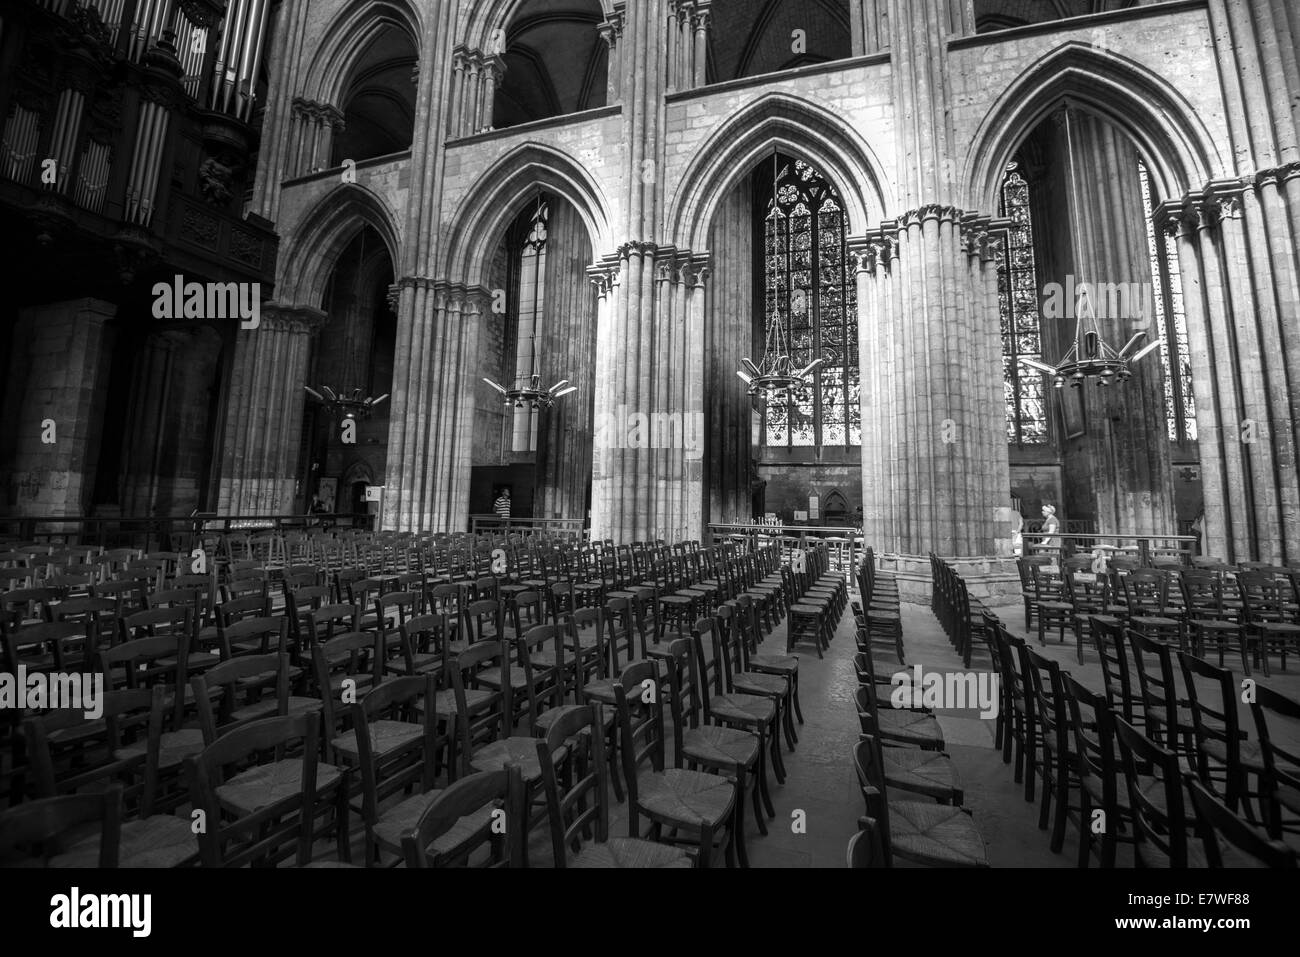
[502, 505]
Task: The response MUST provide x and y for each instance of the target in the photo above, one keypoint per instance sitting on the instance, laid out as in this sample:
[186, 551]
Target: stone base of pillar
[995, 581]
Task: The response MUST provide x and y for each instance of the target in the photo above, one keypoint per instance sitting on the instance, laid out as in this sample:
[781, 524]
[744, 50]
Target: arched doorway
[545, 328]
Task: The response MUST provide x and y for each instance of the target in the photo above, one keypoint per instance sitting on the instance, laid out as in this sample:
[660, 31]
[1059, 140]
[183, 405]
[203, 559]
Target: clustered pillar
[313, 127]
[729, 338]
[934, 456]
[568, 351]
[430, 439]
[1117, 471]
[264, 415]
[474, 84]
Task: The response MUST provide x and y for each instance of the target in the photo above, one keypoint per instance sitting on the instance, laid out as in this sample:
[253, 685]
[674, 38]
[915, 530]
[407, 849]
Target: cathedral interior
[608, 342]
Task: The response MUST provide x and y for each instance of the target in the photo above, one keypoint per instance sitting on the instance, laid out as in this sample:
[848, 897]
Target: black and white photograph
[728, 435]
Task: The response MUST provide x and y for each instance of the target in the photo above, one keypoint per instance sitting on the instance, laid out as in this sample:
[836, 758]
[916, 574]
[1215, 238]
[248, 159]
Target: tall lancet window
[809, 288]
[1180, 406]
[1020, 317]
[531, 299]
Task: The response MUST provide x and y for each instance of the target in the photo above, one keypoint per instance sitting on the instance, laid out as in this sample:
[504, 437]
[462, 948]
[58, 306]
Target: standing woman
[1051, 527]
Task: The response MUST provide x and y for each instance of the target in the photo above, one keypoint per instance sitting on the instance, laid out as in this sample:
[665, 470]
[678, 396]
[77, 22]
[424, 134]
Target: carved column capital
[304, 320]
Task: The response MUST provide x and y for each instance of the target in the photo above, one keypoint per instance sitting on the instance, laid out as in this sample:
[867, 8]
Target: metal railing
[845, 543]
[1143, 547]
[571, 527]
[163, 533]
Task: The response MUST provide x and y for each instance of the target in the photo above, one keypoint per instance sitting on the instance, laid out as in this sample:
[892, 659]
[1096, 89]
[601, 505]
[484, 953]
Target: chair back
[1159, 823]
[500, 792]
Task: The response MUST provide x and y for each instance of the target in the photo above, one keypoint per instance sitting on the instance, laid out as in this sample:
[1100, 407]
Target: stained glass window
[810, 290]
[1175, 359]
[1020, 318]
[531, 299]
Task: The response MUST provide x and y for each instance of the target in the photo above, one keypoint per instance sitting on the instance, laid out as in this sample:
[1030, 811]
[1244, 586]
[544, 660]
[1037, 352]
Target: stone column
[494, 68]
[147, 418]
[1225, 535]
[54, 399]
[567, 351]
[611, 31]
[629, 488]
[430, 441]
[701, 59]
[459, 83]
[1118, 472]
[729, 336]
[929, 345]
[264, 411]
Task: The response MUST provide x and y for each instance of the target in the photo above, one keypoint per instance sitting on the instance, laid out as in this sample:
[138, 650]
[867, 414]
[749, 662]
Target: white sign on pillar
[814, 506]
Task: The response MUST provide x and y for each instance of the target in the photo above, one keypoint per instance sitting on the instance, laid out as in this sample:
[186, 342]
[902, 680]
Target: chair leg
[762, 784]
[1062, 799]
[794, 691]
[1045, 805]
[1085, 829]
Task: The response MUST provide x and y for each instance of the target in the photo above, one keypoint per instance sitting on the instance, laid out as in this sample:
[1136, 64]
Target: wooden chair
[864, 848]
[904, 726]
[700, 804]
[346, 668]
[481, 707]
[782, 665]
[1277, 718]
[935, 835]
[1122, 692]
[46, 824]
[1099, 773]
[733, 753]
[1246, 845]
[1166, 715]
[265, 813]
[423, 647]
[1265, 616]
[725, 704]
[1146, 591]
[1054, 608]
[394, 745]
[498, 794]
[125, 755]
[1060, 764]
[247, 688]
[1156, 799]
[1209, 621]
[584, 802]
[1224, 757]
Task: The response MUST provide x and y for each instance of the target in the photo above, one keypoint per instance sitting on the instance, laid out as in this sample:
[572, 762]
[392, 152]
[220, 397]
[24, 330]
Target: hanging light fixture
[776, 374]
[1090, 356]
[527, 391]
[342, 403]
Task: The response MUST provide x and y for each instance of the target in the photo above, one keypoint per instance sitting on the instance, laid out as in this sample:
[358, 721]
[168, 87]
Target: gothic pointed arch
[484, 212]
[1159, 119]
[352, 30]
[324, 233]
[790, 125]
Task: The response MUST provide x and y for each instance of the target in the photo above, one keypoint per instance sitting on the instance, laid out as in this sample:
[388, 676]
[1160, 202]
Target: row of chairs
[1154, 757]
[913, 795]
[472, 713]
[1244, 611]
